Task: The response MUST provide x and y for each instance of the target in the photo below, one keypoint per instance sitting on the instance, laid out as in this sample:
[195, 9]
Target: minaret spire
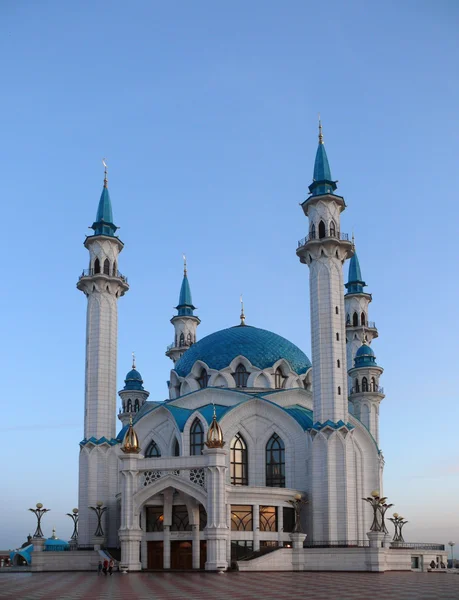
[242, 317]
[321, 137]
[322, 182]
[105, 173]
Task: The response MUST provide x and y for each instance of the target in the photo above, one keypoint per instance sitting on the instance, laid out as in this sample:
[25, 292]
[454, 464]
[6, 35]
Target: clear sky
[207, 114]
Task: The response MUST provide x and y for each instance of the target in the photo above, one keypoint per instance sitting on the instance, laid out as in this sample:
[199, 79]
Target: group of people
[106, 566]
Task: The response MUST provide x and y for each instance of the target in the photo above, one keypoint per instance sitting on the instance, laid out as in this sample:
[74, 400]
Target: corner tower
[185, 322]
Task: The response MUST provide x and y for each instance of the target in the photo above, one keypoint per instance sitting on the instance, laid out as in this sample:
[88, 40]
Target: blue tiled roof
[185, 305]
[263, 349]
[133, 381]
[355, 282]
[322, 179]
[365, 357]
[302, 415]
[103, 225]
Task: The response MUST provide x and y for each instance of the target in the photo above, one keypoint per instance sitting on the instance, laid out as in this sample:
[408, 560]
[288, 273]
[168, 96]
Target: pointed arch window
[176, 448]
[373, 385]
[364, 384]
[182, 340]
[321, 230]
[203, 379]
[357, 386]
[129, 405]
[96, 266]
[348, 319]
[241, 376]
[238, 461]
[362, 319]
[189, 339]
[106, 267]
[275, 462]
[279, 379]
[355, 320]
[115, 270]
[313, 232]
[136, 405]
[152, 450]
[196, 438]
[332, 229]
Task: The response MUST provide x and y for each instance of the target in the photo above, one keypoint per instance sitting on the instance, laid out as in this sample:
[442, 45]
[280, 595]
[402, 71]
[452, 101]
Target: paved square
[247, 586]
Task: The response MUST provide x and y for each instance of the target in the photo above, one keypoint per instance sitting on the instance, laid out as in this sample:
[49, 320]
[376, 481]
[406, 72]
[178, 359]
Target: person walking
[99, 568]
[105, 569]
[111, 564]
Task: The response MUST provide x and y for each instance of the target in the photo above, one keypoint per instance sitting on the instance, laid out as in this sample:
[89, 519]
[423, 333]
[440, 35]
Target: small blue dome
[133, 380]
[56, 542]
[364, 357]
[364, 350]
[263, 349]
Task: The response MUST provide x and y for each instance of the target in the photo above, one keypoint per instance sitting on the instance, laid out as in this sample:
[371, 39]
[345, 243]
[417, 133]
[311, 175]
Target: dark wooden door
[182, 555]
[155, 555]
[203, 555]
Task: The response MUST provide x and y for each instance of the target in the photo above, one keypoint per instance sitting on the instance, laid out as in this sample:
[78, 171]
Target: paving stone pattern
[247, 586]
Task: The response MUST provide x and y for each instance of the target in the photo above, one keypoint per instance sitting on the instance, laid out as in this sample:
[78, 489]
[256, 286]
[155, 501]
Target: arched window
[321, 230]
[129, 405]
[279, 379]
[362, 319]
[238, 461]
[196, 438]
[189, 339]
[357, 386]
[96, 266]
[106, 267]
[203, 379]
[364, 384]
[176, 448]
[136, 405]
[373, 385]
[355, 320]
[241, 376]
[348, 319]
[338, 364]
[336, 310]
[153, 450]
[275, 462]
[313, 232]
[182, 340]
[332, 229]
[339, 390]
[115, 270]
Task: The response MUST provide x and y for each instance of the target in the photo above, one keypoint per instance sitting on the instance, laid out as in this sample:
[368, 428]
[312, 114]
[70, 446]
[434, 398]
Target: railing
[313, 236]
[182, 345]
[370, 390]
[418, 546]
[367, 325]
[86, 547]
[61, 548]
[337, 544]
[91, 272]
[261, 552]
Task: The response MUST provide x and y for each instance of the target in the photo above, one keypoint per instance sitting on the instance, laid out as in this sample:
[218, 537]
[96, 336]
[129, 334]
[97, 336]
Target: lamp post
[99, 509]
[451, 545]
[379, 506]
[39, 511]
[298, 502]
[398, 522]
[74, 516]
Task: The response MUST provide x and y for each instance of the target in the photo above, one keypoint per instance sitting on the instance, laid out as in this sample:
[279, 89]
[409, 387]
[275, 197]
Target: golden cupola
[215, 434]
[131, 441]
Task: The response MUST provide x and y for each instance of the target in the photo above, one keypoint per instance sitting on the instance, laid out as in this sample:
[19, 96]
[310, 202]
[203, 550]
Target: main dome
[263, 349]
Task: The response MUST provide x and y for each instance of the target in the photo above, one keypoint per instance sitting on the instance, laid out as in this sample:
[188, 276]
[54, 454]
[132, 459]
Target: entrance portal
[182, 555]
[155, 555]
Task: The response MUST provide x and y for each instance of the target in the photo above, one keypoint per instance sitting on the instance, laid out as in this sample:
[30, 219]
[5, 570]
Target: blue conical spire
[103, 225]
[322, 182]
[355, 282]
[185, 305]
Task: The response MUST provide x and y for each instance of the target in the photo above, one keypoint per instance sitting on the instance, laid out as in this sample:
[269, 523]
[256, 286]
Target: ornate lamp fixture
[215, 434]
[398, 522]
[99, 509]
[379, 506]
[298, 502]
[39, 512]
[74, 516]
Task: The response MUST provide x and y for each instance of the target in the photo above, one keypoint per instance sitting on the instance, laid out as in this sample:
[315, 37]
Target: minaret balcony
[370, 390]
[313, 237]
[92, 272]
[367, 325]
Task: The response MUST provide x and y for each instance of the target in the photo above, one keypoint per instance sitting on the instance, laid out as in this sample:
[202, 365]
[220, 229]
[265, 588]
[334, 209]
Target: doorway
[155, 556]
[182, 555]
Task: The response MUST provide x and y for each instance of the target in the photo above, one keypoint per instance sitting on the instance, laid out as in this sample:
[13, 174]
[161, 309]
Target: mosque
[251, 429]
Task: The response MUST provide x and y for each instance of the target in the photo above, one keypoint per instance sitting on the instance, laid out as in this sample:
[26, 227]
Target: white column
[130, 533]
[228, 541]
[280, 525]
[196, 547]
[256, 527]
[168, 498]
[217, 528]
[167, 547]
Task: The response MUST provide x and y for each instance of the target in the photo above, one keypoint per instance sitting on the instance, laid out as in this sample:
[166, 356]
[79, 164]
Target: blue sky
[207, 114]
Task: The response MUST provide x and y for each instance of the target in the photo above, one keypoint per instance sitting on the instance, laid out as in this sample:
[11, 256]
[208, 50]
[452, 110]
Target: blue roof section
[322, 180]
[98, 442]
[302, 415]
[365, 357]
[263, 348]
[355, 282]
[185, 305]
[103, 225]
[25, 552]
[133, 381]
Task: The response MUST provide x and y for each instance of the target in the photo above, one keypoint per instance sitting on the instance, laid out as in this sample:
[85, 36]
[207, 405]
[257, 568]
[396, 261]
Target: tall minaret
[185, 321]
[356, 302]
[102, 284]
[324, 250]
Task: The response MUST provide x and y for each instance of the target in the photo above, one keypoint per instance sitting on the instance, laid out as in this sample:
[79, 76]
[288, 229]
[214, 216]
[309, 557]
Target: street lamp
[379, 506]
[99, 509]
[39, 512]
[451, 544]
[398, 522]
[74, 516]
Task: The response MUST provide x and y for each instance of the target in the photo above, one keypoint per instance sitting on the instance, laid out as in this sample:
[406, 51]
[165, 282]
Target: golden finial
[131, 441]
[105, 173]
[321, 137]
[242, 311]
[184, 265]
[133, 360]
[54, 534]
[215, 433]
[353, 239]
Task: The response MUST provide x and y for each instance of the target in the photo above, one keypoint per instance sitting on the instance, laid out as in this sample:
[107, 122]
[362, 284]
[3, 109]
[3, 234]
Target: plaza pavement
[247, 586]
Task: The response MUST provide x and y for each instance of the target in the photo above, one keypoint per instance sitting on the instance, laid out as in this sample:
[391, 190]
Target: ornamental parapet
[313, 237]
[92, 272]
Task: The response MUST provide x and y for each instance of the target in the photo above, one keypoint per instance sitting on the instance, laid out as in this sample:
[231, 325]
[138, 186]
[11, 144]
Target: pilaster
[217, 528]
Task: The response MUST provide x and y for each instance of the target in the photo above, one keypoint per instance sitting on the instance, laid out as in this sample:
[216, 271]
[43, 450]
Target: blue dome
[365, 357]
[364, 350]
[56, 542]
[263, 349]
[133, 381]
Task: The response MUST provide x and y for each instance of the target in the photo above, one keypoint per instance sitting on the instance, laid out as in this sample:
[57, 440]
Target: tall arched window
[357, 386]
[238, 461]
[106, 267]
[321, 230]
[362, 319]
[275, 462]
[136, 405]
[176, 448]
[115, 270]
[348, 320]
[364, 384]
[153, 450]
[279, 379]
[182, 340]
[313, 232]
[196, 438]
[96, 266]
[129, 405]
[373, 385]
[332, 229]
[355, 320]
[241, 376]
[203, 379]
[189, 339]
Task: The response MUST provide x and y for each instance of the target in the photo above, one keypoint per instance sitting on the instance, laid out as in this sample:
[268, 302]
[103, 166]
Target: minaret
[356, 302]
[324, 250]
[133, 395]
[102, 284]
[185, 322]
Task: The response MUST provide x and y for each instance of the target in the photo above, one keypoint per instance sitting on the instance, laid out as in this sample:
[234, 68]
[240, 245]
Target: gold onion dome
[131, 441]
[215, 434]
